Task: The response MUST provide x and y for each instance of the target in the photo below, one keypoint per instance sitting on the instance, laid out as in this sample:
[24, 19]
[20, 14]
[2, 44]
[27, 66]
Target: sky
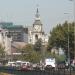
[22, 12]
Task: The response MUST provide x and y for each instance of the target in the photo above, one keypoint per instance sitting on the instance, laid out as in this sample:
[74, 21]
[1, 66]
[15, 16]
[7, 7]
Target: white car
[10, 64]
[21, 63]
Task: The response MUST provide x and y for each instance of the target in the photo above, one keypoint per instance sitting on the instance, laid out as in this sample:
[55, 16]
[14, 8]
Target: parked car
[12, 64]
[18, 63]
[73, 65]
[26, 67]
[36, 66]
[21, 63]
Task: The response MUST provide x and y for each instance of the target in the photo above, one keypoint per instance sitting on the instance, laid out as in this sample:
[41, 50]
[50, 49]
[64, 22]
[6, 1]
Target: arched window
[36, 37]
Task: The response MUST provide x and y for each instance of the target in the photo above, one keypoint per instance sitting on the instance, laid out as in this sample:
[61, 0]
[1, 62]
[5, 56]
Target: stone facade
[5, 41]
[36, 31]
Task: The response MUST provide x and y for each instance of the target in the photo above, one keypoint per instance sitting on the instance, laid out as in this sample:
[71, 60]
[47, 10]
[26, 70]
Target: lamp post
[74, 31]
[43, 48]
[68, 40]
[69, 63]
[74, 24]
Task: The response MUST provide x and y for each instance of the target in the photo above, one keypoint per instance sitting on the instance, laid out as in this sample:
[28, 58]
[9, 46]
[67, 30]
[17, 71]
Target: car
[18, 63]
[36, 66]
[73, 65]
[25, 68]
[12, 64]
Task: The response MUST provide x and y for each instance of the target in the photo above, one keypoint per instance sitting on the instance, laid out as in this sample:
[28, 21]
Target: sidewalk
[4, 74]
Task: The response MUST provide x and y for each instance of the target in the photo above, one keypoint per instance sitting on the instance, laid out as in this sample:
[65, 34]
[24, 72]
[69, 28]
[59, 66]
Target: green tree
[29, 54]
[25, 52]
[38, 45]
[36, 57]
[59, 37]
[60, 58]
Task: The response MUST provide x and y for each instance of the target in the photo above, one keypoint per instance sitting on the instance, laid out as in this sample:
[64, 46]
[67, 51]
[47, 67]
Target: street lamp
[74, 29]
[69, 63]
[68, 41]
[74, 26]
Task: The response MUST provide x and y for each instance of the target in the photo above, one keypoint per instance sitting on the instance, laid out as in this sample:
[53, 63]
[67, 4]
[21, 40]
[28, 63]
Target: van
[50, 62]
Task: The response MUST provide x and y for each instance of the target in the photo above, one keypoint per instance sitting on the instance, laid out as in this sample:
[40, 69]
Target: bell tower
[37, 25]
[37, 30]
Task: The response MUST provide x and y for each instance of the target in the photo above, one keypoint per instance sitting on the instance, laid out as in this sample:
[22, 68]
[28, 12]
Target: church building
[36, 32]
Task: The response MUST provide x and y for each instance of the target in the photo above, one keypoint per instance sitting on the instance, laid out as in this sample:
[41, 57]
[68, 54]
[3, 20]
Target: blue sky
[23, 12]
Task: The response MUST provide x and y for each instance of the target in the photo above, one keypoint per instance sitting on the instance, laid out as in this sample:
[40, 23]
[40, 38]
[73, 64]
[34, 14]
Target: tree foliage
[29, 54]
[38, 45]
[59, 37]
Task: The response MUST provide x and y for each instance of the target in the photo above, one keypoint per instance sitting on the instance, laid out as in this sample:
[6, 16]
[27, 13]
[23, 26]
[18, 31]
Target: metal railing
[49, 71]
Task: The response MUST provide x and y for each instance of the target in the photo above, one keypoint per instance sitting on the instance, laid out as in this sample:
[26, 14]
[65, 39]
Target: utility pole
[43, 49]
[74, 30]
[68, 40]
[69, 62]
[74, 24]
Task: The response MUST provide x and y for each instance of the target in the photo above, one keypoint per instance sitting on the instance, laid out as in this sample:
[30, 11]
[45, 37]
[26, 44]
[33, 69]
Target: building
[14, 36]
[17, 32]
[9, 34]
[58, 51]
[5, 41]
[36, 31]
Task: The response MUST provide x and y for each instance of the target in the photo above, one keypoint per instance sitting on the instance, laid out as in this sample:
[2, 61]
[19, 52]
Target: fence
[60, 71]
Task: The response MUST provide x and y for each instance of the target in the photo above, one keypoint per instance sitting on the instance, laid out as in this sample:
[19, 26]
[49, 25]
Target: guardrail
[51, 71]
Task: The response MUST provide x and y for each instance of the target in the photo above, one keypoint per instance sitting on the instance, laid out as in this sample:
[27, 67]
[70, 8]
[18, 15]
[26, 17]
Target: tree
[25, 52]
[35, 57]
[59, 37]
[60, 58]
[38, 45]
[28, 54]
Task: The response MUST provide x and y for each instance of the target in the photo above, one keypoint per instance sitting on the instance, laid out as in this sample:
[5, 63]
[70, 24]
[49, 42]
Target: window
[36, 37]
